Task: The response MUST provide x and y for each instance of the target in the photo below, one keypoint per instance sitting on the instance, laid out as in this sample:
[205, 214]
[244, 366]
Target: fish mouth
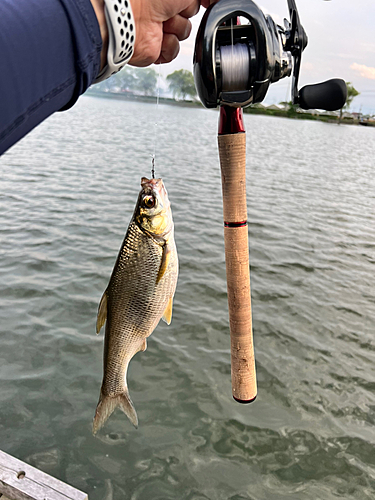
[151, 183]
[156, 187]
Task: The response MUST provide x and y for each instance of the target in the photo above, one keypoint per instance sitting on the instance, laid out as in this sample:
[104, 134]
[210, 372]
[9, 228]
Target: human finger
[170, 48]
[207, 3]
[191, 10]
[178, 26]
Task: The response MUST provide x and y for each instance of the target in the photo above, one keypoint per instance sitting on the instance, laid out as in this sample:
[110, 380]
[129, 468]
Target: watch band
[121, 36]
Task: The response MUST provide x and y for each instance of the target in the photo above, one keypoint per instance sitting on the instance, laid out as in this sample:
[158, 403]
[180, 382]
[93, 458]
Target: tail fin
[106, 406]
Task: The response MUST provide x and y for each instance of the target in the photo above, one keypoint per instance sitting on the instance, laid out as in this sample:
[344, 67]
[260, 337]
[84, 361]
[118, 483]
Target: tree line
[145, 81]
[180, 83]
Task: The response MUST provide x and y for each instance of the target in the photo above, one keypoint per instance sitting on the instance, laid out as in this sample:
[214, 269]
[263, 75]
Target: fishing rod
[234, 65]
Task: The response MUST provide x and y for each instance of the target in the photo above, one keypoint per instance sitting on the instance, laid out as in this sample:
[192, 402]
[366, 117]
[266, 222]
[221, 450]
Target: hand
[159, 26]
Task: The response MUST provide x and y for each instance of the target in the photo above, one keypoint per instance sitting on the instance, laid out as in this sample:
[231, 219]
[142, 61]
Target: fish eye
[149, 201]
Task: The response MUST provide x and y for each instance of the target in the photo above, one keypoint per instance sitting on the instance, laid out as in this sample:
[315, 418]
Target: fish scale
[139, 292]
[131, 301]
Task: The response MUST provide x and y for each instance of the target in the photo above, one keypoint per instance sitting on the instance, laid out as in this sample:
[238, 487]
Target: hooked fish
[140, 292]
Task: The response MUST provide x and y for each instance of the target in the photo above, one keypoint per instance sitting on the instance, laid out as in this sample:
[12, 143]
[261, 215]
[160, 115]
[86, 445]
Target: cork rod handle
[232, 152]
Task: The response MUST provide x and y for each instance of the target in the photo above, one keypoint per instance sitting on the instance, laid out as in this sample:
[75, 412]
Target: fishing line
[231, 35]
[235, 63]
[153, 156]
[288, 90]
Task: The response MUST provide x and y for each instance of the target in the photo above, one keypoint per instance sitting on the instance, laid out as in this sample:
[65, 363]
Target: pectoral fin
[102, 312]
[167, 316]
[164, 262]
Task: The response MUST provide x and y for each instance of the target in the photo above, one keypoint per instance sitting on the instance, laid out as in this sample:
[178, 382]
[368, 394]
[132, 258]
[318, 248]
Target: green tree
[290, 108]
[143, 80]
[146, 80]
[125, 79]
[352, 93]
[181, 84]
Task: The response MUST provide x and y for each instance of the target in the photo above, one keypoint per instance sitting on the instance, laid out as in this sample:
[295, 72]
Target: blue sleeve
[49, 55]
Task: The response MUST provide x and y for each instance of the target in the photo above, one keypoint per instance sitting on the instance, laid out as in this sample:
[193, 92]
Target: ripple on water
[64, 210]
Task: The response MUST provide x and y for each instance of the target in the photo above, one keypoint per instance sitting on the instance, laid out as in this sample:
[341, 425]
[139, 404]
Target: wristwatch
[121, 36]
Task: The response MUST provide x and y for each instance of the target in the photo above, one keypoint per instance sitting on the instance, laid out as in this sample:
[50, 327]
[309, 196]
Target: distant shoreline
[256, 110]
[142, 98]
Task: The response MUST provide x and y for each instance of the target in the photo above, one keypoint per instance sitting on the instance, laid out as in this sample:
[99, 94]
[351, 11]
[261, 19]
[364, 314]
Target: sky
[341, 44]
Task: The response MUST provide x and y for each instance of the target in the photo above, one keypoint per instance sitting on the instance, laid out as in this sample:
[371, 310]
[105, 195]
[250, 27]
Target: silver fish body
[140, 292]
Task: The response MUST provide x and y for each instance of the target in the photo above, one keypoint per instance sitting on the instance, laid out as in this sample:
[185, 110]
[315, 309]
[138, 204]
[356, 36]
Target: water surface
[67, 193]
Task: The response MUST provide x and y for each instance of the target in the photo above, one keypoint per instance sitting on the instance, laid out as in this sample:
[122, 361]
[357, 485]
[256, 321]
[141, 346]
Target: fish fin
[103, 411]
[143, 346]
[102, 312]
[167, 316]
[107, 405]
[164, 262]
[127, 407]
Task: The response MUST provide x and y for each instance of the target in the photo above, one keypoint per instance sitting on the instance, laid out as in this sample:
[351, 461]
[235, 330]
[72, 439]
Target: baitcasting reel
[234, 64]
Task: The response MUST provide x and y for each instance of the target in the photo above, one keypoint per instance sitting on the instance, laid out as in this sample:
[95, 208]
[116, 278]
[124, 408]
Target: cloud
[364, 71]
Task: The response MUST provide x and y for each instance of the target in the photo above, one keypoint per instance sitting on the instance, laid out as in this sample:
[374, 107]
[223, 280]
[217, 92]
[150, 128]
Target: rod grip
[232, 152]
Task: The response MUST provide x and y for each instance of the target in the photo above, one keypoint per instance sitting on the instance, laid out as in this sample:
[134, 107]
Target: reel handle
[232, 152]
[330, 95]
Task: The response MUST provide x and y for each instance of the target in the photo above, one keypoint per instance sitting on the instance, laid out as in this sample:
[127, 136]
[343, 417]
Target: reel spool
[234, 65]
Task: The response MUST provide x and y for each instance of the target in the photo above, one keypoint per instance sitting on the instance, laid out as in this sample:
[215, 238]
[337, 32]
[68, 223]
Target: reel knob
[330, 95]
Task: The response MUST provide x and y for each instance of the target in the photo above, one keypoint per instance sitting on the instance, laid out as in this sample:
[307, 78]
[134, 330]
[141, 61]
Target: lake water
[67, 194]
